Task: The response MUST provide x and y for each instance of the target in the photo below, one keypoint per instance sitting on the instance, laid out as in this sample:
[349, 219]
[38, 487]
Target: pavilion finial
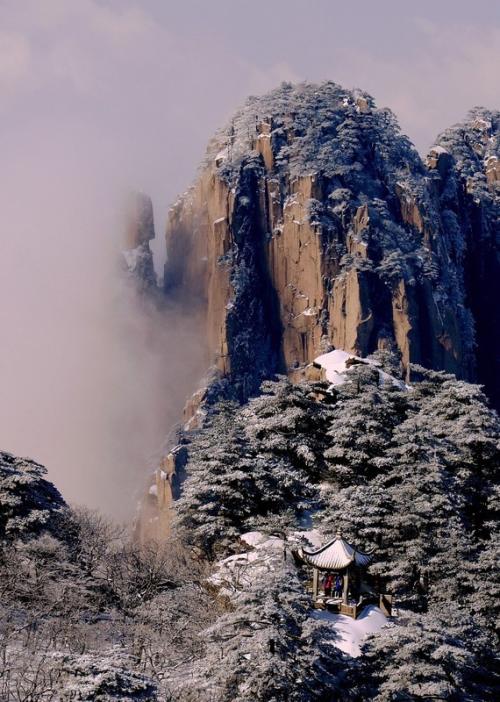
[338, 535]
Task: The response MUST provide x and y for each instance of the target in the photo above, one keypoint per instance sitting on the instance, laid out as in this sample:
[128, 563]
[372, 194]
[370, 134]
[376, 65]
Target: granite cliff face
[314, 224]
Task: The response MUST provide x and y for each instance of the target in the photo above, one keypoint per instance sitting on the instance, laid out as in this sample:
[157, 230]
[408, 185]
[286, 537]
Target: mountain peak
[315, 224]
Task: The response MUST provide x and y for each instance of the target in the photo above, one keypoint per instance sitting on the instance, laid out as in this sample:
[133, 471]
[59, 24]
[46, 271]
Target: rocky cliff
[466, 169]
[139, 231]
[314, 224]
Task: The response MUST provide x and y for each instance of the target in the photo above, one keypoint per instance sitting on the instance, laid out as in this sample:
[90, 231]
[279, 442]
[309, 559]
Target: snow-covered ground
[336, 369]
[350, 633]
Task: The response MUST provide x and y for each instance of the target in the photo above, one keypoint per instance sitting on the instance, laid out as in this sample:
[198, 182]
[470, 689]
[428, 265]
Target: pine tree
[425, 657]
[361, 426]
[28, 502]
[247, 464]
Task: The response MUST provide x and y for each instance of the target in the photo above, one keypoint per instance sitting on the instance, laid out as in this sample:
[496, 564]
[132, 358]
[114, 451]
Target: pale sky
[98, 96]
[141, 85]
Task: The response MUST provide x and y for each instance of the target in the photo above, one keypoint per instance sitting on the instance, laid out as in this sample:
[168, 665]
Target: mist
[98, 97]
[92, 379]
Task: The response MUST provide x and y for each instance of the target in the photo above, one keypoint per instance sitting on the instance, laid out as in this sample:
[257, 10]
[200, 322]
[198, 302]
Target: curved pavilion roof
[335, 555]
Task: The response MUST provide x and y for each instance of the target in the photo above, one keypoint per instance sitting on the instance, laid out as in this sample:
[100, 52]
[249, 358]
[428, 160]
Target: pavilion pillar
[346, 586]
[315, 583]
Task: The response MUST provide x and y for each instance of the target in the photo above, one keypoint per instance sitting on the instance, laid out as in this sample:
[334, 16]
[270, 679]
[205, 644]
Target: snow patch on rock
[335, 365]
[253, 538]
[438, 150]
[311, 535]
[132, 257]
[236, 573]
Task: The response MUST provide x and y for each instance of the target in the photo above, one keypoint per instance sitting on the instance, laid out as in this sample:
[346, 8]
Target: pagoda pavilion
[342, 586]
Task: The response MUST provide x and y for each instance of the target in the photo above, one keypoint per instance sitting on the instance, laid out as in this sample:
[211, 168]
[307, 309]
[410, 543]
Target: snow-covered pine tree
[239, 473]
[361, 426]
[427, 657]
[28, 502]
[266, 648]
